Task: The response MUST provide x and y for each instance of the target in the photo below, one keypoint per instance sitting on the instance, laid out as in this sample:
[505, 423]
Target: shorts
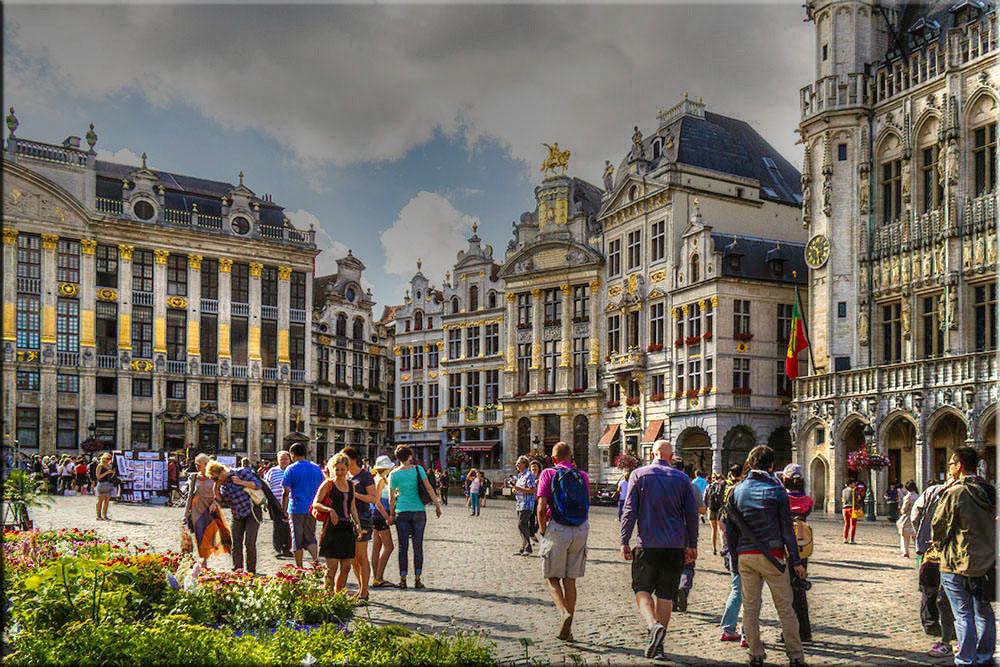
[105, 489]
[564, 550]
[657, 571]
[365, 525]
[378, 522]
[82, 479]
[303, 531]
[713, 515]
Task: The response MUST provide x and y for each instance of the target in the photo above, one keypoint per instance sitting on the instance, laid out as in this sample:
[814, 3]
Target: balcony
[454, 415]
[270, 373]
[834, 93]
[107, 361]
[269, 312]
[49, 153]
[112, 206]
[209, 306]
[296, 315]
[626, 362]
[240, 309]
[491, 413]
[68, 358]
[176, 367]
[239, 372]
[209, 369]
[298, 375]
[29, 285]
[142, 298]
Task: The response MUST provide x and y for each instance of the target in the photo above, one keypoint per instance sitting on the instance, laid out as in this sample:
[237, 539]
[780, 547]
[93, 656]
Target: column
[47, 370]
[566, 429]
[253, 337]
[595, 431]
[225, 318]
[536, 340]
[537, 431]
[226, 408]
[922, 461]
[284, 297]
[159, 342]
[193, 307]
[9, 331]
[510, 333]
[596, 331]
[284, 414]
[124, 417]
[253, 420]
[88, 343]
[565, 372]
[509, 442]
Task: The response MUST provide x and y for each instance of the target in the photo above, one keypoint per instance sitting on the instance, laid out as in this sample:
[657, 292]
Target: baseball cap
[383, 462]
[792, 470]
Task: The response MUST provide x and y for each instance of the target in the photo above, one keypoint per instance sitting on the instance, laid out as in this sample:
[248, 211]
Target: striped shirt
[274, 478]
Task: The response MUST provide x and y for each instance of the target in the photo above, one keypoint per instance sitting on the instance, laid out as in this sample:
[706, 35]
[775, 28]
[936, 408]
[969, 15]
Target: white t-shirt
[623, 489]
[69, 470]
[474, 486]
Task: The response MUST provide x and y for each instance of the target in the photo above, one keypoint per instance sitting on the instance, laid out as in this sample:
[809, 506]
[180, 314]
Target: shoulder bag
[425, 497]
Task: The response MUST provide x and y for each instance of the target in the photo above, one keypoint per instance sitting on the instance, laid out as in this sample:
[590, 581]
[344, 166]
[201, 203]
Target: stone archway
[900, 438]
[736, 446]
[523, 436]
[695, 447]
[947, 432]
[816, 482]
[780, 441]
[989, 435]
[851, 440]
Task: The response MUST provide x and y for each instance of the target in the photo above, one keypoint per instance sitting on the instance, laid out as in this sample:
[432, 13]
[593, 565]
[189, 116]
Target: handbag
[425, 497]
[256, 496]
[187, 544]
[855, 512]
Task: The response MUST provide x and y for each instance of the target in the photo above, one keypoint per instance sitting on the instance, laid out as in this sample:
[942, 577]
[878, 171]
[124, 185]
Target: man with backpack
[662, 504]
[564, 497]
[715, 493]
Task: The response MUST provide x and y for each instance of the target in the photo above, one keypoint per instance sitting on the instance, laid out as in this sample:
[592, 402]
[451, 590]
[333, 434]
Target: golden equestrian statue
[557, 159]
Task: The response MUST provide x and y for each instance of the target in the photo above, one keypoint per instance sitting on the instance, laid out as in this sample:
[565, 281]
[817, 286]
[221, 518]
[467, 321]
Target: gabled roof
[757, 253]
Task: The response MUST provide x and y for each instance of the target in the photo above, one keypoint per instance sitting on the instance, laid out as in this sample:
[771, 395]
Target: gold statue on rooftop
[557, 159]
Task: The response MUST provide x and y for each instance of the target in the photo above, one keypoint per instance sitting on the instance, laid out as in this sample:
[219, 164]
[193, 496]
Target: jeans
[733, 603]
[474, 501]
[621, 508]
[801, 606]
[755, 570]
[281, 537]
[411, 524]
[245, 530]
[974, 622]
[524, 526]
[443, 493]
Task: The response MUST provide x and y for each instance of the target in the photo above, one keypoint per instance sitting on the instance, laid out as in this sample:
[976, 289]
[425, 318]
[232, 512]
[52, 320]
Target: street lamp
[869, 433]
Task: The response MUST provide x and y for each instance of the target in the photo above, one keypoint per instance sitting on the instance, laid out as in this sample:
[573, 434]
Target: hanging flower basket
[867, 458]
[627, 461]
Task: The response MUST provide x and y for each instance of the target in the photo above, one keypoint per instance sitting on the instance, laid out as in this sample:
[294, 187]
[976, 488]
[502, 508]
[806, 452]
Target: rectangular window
[269, 286]
[550, 360]
[553, 307]
[984, 158]
[177, 275]
[176, 389]
[679, 378]
[340, 366]
[455, 390]
[581, 303]
[656, 321]
[298, 397]
[418, 401]
[932, 190]
[27, 427]
[374, 372]
[433, 400]
[892, 198]
[28, 380]
[107, 328]
[209, 391]
[741, 316]
[741, 373]
[614, 334]
[238, 335]
[239, 434]
[176, 334]
[614, 257]
[631, 330]
[634, 249]
[454, 343]
[433, 357]
[29, 259]
[28, 321]
[69, 384]
[68, 325]
[659, 387]
[240, 279]
[694, 321]
[297, 291]
[269, 395]
[892, 338]
[523, 367]
[985, 307]
[208, 334]
[142, 387]
[782, 382]
[268, 435]
[841, 152]
[142, 271]
[68, 261]
[210, 279]
[106, 263]
[297, 349]
[933, 335]
[358, 370]
[472, 342]
[269, 343]
[784, 326]
[841, 309]
[142, 430]
[107, 386]
[580, 355]
[657, 241]
[492, 387]
[472, 389]
[67, 426]
[404, 402]
[524, 310]
[323, 364]
[240, 393]
[492, 339]
[839, 364]
[709, 373]
[694, 375]
[709, 318]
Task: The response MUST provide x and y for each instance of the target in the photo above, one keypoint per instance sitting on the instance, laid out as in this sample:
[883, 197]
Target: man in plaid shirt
[231, 485]
[282, 535]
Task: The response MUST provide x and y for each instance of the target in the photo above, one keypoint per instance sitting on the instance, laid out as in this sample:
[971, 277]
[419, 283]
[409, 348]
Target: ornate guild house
[900, 204]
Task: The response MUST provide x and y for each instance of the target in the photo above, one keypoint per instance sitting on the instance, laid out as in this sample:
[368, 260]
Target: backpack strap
[733, 512]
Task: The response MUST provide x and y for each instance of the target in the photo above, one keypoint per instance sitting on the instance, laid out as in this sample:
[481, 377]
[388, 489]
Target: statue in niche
[863, 324]
[828, 195]
[806, 198]
[609, 173]
[904, 181]
[863, 193]
[952, 307]
[906, 316]
[638, 152]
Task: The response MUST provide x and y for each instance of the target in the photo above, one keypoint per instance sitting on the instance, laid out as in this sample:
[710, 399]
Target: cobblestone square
[863, 604]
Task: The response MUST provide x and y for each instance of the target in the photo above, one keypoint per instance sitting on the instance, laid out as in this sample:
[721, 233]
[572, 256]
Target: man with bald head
[661, 504]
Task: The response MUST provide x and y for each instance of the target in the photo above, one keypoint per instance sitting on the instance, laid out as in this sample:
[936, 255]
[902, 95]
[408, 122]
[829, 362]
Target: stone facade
[900, 170]
[137, 310]
[349, 374]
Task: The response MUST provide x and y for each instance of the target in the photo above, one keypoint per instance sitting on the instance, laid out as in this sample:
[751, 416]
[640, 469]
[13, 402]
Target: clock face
[817, 251]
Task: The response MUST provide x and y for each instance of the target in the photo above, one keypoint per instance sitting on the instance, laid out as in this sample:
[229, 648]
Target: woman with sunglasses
[231, 491]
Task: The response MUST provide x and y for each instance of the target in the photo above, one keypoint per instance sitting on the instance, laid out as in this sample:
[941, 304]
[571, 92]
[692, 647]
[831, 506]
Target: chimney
[71, 142]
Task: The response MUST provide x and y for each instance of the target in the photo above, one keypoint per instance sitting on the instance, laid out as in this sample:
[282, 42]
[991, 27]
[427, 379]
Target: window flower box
[551, 323]
[578, 390]
[547, 391]
[678, 394]
[740, 335]
[607, 357]
[581, 318]
[523, 325]
[612, 404]
[707, 390]
[518, 394]
[741, 391]
[678, 342]
[692, 340]
[654, 347]
[631, 401]
[691, 393]
[707, 335]
[343, 385]
[657, 397]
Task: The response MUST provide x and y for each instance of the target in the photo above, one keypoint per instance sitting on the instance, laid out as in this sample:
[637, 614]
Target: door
[208, 438]
[173, 436]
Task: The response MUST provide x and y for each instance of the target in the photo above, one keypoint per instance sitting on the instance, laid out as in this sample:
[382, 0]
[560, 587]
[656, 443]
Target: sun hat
[383, 462]
[792, 470]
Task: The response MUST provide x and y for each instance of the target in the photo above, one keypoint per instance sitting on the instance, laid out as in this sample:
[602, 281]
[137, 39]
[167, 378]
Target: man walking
[687, 574]
[661, 503]
[760, 536]
[964, 533]
[700, 483]
[564, 496]
[299, 486]
[524, 495]
[282, 535]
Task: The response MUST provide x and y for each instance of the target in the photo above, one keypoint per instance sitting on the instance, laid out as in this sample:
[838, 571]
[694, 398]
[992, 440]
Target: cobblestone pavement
[863, 605]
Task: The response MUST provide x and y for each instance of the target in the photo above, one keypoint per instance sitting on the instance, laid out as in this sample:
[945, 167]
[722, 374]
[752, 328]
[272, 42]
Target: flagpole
[805, 327]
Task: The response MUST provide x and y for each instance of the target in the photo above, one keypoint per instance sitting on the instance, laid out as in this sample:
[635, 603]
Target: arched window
[982, 120]
[695, 271]
[891, 179]
[359, 328]
[523, 436]
[473, 298]
[342, 325]
[656, 149]
[491, 300]
[930, 188]
[418, 320]
[454, 306]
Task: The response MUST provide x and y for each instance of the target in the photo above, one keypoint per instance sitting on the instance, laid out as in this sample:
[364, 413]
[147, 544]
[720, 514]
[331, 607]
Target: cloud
[428, 228]
[123, 156]
[330, 249]
[347, 84]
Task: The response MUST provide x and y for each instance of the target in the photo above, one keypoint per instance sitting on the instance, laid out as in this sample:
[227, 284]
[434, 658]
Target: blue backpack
[570, 499]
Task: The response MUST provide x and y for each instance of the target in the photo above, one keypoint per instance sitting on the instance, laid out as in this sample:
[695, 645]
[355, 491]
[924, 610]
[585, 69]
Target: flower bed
[75, 597]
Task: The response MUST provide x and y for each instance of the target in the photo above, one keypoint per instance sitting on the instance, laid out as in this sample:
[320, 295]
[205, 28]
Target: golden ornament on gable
[142, 365]
[107, 294]
[614, 290]
[178, 302]
[27, 355]
[68, 289]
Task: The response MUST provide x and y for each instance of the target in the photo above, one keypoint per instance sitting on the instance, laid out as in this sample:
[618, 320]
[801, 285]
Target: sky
[394, 128]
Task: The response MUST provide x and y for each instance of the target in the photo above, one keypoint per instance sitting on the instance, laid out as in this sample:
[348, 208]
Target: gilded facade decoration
[50, 241]
[125, 251]
[194, 261]
[68, 289]
[107, 294]
[177, 302]
[161, 255]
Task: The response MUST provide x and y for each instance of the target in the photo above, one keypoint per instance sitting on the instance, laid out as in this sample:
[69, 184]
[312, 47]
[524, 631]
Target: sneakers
[797, 662]
[939, 650]
[756, 661]
[681, 603]
[655, 643]
[743, 641]
[728, 636]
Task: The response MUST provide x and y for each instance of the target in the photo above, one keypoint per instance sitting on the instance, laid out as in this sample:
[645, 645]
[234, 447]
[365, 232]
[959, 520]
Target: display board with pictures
[142, 474]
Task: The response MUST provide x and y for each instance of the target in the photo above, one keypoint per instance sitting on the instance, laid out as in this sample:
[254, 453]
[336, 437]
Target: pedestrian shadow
[862, 564]
[444, 539]
[819, 577]
[444, 620]
[493, 597]
[847, 654]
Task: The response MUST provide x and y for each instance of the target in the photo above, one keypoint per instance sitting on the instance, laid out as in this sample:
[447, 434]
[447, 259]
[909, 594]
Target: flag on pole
[797, 341]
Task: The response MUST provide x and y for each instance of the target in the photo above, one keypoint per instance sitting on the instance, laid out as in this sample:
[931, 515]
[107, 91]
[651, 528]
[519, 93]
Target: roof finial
[12, 122]
[475, 228]
[143, 159]
[419, 263]
[91, 137]
[241, 176]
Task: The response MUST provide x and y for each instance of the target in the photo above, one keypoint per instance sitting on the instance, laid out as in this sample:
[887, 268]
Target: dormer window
[473, 298]
[632, 191]
[418, 320]
[419, 294]
[778, 267]
[454, 306]
[735, 263]
[491, 300]
[695, 270]
[656, 148]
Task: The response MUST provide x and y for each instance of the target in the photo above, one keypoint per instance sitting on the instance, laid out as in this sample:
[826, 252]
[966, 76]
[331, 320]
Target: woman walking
[850, 500]
[801, 506]
[202, 515]
[407, 512]
[536, 471]
[475, 486]
[622, 493]
[231, 491]
[904, 524]
[382, 545]
[334, 505]
[105, 488]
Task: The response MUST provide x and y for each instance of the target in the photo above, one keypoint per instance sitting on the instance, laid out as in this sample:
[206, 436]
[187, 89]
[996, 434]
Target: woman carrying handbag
[851, 502]
[334, 506]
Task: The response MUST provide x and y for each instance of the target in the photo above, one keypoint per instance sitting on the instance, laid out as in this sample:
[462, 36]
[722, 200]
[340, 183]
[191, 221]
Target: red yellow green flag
[796, 342]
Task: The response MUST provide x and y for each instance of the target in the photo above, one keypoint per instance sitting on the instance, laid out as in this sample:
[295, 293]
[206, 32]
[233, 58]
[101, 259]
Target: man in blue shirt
[524, 493]
[299, 486]
[661, 504]
[700, 483]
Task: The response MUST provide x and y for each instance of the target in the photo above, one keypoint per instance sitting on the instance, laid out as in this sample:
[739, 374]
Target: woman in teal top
[407, 511]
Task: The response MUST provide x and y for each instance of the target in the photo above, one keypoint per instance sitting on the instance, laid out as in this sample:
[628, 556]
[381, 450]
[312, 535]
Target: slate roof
[319, 289]
[928, 21]
[757, 255]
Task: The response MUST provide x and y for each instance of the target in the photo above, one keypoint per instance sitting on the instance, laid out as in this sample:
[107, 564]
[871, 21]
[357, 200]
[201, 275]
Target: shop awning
[484, 446]
[610, 433]
[653, 432]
